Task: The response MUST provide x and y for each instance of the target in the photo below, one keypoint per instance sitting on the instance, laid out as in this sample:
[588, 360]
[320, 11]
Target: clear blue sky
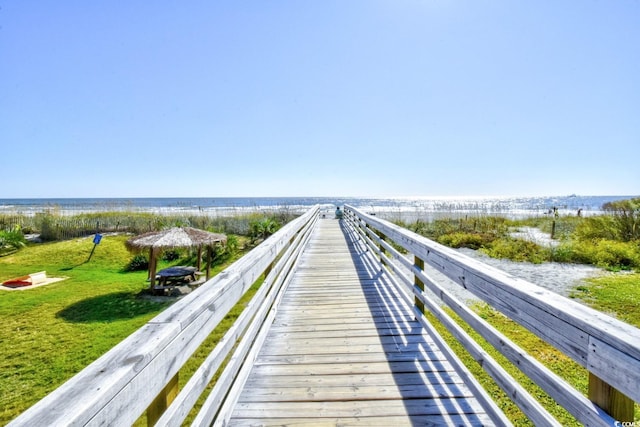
[319, 98]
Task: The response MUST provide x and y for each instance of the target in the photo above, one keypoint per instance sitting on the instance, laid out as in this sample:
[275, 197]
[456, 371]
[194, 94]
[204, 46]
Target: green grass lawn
[617, 294]
[50, 333]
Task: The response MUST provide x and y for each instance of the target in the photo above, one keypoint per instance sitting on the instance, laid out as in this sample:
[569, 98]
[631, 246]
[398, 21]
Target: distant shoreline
[392, 208]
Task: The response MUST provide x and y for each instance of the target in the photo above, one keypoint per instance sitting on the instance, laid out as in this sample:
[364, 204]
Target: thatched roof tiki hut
[174, 238]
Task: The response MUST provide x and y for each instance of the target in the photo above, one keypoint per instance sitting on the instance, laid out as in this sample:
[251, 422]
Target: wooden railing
[141, 373]
[607, 348]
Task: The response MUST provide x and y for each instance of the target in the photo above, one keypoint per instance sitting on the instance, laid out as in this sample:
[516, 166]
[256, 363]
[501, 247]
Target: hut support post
[153, 255]
[199, 258]
[162, 401]
[209, 258]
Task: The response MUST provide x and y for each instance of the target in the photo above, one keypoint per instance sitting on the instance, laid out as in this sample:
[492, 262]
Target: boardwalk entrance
[345, 348]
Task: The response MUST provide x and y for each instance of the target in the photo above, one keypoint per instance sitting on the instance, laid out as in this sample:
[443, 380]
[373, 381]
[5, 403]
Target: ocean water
[393, 208]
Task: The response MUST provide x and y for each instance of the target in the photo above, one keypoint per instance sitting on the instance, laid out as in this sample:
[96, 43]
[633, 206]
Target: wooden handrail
[118, 387]
[609, 349]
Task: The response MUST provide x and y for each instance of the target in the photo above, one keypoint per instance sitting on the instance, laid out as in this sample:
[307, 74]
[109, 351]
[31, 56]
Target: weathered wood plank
[396, 421]
[361, 392]
[342, 309]
[388, 379]
[226, 390]
[356, 408]
[382, 330]
[426, 356]
[387, 341]
[353, 368]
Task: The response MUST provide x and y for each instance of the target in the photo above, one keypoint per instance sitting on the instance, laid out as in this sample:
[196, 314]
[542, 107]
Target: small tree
[224, 252]
[626, 215]
[262, 229]
[12, 240]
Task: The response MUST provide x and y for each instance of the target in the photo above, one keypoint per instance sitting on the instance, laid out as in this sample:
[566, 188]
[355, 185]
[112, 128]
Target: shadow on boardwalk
[428, 384]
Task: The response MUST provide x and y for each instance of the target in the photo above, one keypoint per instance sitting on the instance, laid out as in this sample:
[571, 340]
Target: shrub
[220, 254]
[563, 253]
[517, 250]
[465, 240]
[137, 263]
[608, 254]
[170, 255]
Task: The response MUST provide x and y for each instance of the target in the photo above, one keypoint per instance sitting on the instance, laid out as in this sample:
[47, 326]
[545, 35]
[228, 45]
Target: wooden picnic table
[176, 274]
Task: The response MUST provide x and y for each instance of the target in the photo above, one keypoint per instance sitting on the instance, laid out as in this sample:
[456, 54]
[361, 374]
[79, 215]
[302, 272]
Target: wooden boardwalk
[341, 345]
[345, 349]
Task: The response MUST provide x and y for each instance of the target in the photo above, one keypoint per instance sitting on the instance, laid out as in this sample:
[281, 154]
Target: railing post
[268, 269]
[162, 401]
[380, 247]
[365, 230]
[419, 263]
[611, 400]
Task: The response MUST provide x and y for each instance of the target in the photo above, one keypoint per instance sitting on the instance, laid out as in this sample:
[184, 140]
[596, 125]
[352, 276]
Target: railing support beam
[162, 401]
[419, 263]
[381, 247]
[611, 400]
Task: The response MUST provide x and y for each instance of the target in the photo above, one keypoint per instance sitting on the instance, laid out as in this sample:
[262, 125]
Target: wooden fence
[52, 227]
[607, 348]
[141, 373]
